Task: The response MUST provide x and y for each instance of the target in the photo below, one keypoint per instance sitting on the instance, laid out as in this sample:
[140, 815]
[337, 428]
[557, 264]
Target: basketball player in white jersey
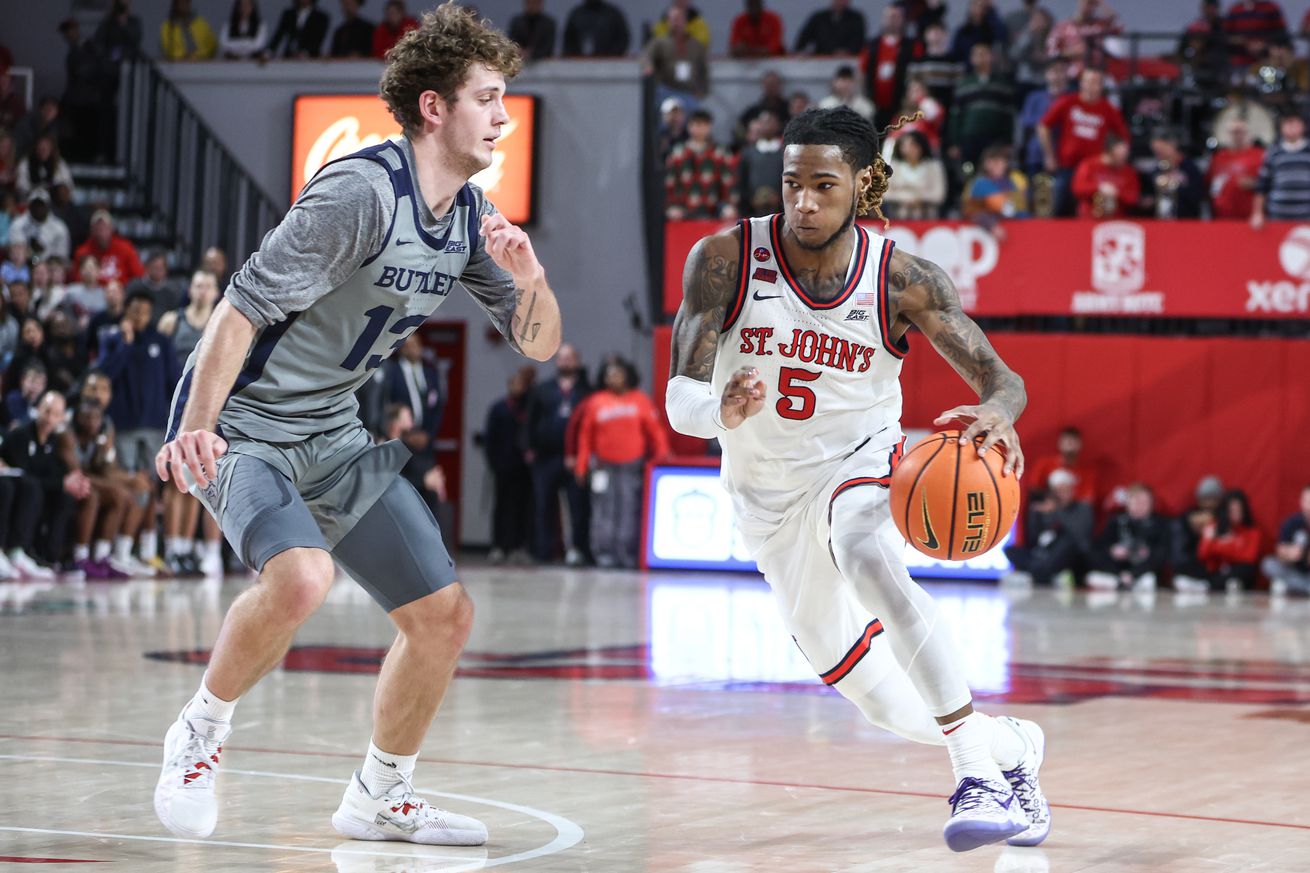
[788, 348]
[265, 423]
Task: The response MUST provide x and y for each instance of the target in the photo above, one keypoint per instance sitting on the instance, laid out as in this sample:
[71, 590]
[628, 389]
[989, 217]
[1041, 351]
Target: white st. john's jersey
[831, 368]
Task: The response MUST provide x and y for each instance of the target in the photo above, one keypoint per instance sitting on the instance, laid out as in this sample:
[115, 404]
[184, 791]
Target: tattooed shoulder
[917, 284]
[709, 282]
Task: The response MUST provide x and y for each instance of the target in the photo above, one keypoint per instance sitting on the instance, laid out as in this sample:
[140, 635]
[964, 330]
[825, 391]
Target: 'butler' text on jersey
[831, 369]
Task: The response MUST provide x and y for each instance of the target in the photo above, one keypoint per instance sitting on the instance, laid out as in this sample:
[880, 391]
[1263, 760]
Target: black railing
[176, 165]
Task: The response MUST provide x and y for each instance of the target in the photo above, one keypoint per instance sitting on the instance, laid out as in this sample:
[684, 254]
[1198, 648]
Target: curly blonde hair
[437, 55]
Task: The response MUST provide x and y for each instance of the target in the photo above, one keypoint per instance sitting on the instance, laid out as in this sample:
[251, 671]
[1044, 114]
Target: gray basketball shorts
[335, 491]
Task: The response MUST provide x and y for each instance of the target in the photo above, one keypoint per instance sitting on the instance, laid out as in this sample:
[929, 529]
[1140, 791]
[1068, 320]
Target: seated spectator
[938, 68]
[300, 32]
[756, 33]
[618, 433]
[396, 22]
[42, 167]
[837, 30]
[106, 321]
[772, 99]
[797, 102]
[8, 160]
[245, 34]
[1133, 548]
[1288, 568]
[1107, 186]
[21, 402]
[47, 297]
[1035, 106]
[696, 25]
[1230, 545]
[918, 184]
[982, 26]
[760, 167]
[983, 112]
[42, 232]
[845, 91]
[503, 441]
[1080, 40]
[1177, 188]
[1282, 189]
[996, 193]
[41, 121]
[1057, 535]
[185, 36]
[1262, 125]
[1028, 53]
[44, 451]
[118, 258]
[214, 260]
[65, 355]
[87, 296]
[8, 339]
[16, 266]
[103, 514]
[12, 105]
[74, 217]
[20, 503]
[1079, 124]
[678, 63]
[700, 179]
[1069, 456]
[885, 62]
[353, 37]
[20, 302]
[596, 29]
[920, 113]
[167, 293]
[1251, 25]
[1190, 571]
[1280, 75]
[673, 126]
[533, 30]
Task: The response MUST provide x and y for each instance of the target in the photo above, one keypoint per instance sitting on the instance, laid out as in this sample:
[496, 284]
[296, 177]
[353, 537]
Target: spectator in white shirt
[245, 33]
[918, 184]
[846, 92]
[45, 235]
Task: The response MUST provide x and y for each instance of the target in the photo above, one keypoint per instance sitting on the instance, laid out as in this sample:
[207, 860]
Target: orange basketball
[949, 503]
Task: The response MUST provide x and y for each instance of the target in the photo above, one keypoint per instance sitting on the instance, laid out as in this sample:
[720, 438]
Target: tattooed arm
[923, 295]
[709, 284]
[506, 278]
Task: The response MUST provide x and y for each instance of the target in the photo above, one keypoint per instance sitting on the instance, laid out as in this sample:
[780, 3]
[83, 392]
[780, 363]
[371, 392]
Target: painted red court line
[773, 783]
[17, 859]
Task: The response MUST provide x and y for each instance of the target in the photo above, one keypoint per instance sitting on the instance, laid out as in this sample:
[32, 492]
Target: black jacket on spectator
[598, 29]
[85, 77]
[118, 41]
[1188, 198]
[429, 408]
[1294, 529]
[1055, 540]
[827, 34]
[23, 451]
[144, 373]
[308, 39]
[503, 438]
[535, 33]
[549, 408]
[353, 39]
[1147, 540]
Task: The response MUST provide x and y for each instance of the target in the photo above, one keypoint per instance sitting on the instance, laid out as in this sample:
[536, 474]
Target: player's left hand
[511, 249]
[995, 425]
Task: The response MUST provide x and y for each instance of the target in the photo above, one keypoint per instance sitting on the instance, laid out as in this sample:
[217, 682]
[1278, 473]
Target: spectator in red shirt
[396, 22]
[619, 432]
[756, 33]
[1251, 25]
[1233, 172]
[885, 60]
[1230, 547]
[1068, 456]
[1107, 185]
[1080, 123]
[118, 258]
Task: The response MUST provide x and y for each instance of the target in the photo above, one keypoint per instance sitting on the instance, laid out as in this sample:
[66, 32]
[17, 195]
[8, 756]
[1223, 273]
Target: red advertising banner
[1198, 269]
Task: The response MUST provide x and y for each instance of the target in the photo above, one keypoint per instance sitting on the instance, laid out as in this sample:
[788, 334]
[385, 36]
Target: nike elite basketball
[949, 503]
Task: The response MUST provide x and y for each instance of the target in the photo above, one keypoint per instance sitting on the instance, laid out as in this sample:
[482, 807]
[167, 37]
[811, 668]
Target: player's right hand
[194, 450]
[743, 396]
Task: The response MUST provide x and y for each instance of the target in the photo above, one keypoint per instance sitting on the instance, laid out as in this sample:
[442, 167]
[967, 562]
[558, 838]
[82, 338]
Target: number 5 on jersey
[792, 387]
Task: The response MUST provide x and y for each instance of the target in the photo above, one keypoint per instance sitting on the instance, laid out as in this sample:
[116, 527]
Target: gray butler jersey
[304, 367]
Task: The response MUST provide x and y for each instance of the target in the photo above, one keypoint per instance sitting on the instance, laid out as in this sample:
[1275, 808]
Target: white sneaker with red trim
[399, 814]
[185, 800]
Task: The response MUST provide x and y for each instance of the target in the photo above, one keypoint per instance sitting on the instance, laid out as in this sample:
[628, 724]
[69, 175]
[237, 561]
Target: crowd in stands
[1212, 545]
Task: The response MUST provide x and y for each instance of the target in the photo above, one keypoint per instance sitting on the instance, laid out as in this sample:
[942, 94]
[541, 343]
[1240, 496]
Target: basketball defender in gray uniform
[265, 429]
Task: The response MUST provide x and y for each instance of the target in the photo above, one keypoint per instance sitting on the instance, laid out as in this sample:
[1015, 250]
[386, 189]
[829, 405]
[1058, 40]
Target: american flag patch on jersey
[866, 299]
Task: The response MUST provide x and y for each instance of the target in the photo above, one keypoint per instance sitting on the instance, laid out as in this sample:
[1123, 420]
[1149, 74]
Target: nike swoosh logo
[403, 242]
[952, 730]
[384, 763]
[931, 542]
[757, 296]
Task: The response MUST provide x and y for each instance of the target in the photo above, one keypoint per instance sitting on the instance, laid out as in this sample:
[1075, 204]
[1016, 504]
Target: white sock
[1007, 746]
[207, 704]
[148, 549]
[969, 742]
[81, 553]
[174, 546]
[382, 770]
[122, 547]
[210, 550]
[102, 550]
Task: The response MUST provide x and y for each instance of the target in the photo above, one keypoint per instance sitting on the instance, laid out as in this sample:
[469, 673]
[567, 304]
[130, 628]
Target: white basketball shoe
[1023, 779]
[400, 814]
[983, 811]
[185, 800]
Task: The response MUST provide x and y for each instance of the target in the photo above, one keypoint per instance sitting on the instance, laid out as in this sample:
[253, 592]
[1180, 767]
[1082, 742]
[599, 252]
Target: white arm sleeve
[692, 409]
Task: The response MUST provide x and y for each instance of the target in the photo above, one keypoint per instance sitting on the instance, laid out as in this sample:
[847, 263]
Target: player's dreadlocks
[858, 140]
